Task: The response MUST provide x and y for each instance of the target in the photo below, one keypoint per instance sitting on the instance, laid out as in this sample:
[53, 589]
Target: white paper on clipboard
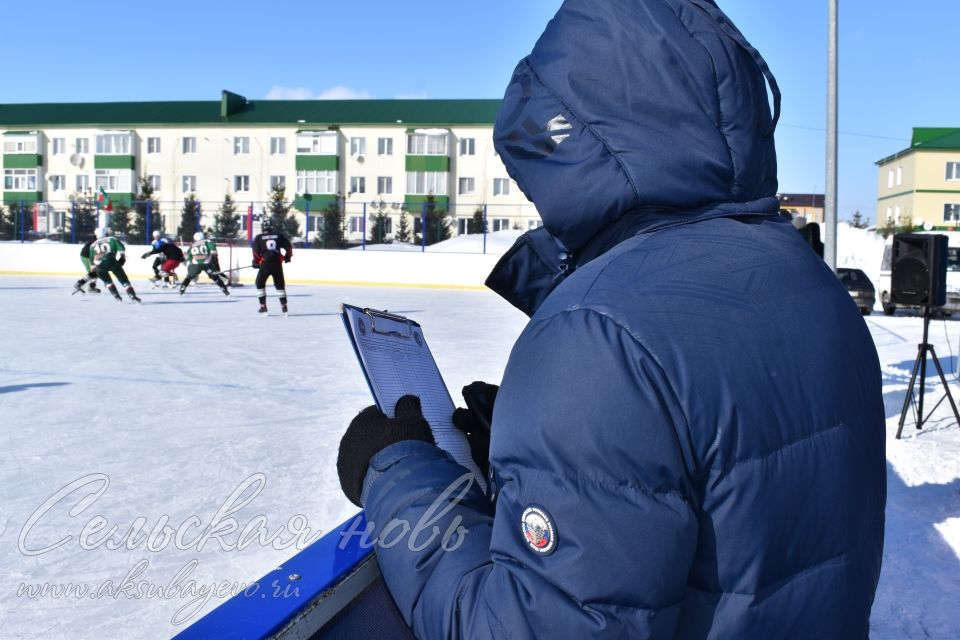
[396, 361]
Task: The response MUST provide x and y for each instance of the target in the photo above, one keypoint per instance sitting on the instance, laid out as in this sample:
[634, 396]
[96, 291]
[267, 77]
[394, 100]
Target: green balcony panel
[318, 201]
[22, 160]
[318, 163]
[14, 197]
[114, 162]
[413, 203]
[428, 163]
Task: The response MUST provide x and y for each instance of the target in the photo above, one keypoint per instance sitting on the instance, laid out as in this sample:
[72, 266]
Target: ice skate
[263, 308]
[283, 308]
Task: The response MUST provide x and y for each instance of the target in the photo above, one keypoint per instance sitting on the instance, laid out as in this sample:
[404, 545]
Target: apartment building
[365, 156]
[920, 185]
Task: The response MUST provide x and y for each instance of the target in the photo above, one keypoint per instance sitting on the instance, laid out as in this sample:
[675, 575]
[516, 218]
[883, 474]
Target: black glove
[146, 255]
[475, 420]
[287, 258]
[256, 265]
[371, 432]
[122, 261]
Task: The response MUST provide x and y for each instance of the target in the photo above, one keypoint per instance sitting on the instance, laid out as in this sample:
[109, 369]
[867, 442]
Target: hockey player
[155, 248]
[169, 257]
[202, 257]
[87, 267]
[108, 255]
[268, 258]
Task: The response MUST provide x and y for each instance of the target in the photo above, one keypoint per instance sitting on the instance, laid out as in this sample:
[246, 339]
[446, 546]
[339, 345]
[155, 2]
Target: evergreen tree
[438, 223]
[6, 224]
[19, 219]
[403, 233]
[120, 222]
[378, 224]
[279, 211]
[188, 218]
[226, 224]
[858, 222]
[476, 224]
[82, 219]
[138, 228]
[332, 230]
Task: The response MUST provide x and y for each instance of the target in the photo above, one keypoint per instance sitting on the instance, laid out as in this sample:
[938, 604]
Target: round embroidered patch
[538, 530]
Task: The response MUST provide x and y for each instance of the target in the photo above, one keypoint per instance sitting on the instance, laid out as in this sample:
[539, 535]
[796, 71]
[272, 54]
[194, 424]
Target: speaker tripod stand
[921, 365]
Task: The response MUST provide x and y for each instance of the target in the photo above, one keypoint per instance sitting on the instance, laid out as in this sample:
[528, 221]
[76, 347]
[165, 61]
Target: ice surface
[179, 402]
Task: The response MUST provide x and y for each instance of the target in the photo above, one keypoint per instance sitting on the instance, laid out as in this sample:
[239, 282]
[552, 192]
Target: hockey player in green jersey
[108, 255]
[202, 257]
[87, 268]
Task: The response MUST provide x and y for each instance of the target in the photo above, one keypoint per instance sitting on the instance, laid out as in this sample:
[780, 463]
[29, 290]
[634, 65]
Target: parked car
[860, 288]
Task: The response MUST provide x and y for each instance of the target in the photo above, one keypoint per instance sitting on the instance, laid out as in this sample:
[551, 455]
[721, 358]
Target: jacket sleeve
[587, 430]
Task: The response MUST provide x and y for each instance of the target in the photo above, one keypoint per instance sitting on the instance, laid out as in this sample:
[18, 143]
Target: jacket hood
[626, 105]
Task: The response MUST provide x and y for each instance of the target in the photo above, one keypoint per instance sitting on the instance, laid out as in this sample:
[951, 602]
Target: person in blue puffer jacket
[669, 460]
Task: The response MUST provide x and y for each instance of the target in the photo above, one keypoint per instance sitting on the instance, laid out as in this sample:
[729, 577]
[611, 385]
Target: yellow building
[921, 185]
[808, 205]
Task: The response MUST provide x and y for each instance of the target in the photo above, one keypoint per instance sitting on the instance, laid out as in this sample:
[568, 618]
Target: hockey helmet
[198, 236]
[267, 224]
[156, 235]
[103, 232]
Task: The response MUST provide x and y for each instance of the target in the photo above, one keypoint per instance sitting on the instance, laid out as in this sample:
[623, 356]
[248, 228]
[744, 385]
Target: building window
[113, 144]
[896, 214]
[466, 186]
[889, 215]
[358, 146]
[384, 184]
[189, 144]
[889, 178]
[58, 183]
[384, 146]
[278, 182]
[951, 213]
[356, 224]
[318, 143]
[153, 145]
[189, 184]
[427, 182]
[468, 146]
[422, 144]
[58, 146]
[534, 223]
[899, 176]
[278, 146]
[114, 180]
[241, 145]
[953, 171]
[316, 181]
[154, 182]
[20, 145]
[358, 184]
[241, 184]
[501, 187]
[83, 183]
[83, 145]
[501, 224]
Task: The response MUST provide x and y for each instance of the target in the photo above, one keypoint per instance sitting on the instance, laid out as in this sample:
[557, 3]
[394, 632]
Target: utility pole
[830, 197]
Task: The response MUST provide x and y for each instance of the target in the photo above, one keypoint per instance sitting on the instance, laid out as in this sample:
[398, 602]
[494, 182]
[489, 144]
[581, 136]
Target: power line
[846, 133]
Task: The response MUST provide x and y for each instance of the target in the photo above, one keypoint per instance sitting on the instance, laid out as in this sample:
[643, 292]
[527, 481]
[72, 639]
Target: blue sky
[896, 61]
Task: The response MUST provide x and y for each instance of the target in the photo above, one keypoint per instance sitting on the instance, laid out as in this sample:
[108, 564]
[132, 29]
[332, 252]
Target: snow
[497, 242]
[169, 407]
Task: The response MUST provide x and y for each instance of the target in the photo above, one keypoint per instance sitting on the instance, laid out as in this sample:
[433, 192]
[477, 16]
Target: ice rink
[119, 420]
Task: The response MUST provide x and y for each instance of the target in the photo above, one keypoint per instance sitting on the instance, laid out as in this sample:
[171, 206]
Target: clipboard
[396, 361]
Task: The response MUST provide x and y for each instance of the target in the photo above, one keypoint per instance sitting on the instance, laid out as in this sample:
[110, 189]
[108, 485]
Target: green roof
[935, 138]
[234, 110]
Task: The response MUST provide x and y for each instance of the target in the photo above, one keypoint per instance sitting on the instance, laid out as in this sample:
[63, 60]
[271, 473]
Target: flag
[105, 200]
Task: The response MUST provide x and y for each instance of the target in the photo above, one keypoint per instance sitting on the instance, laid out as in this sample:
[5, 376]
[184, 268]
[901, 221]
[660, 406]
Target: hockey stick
[249, 266]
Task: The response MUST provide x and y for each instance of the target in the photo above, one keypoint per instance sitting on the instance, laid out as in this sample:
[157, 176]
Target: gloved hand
[475, 421]
[255, 264]
[287, 258]
[370, 432]
[146, 255]
[122, 261]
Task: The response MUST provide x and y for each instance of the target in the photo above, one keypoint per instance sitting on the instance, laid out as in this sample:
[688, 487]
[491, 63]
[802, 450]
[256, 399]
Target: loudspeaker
[919, 269]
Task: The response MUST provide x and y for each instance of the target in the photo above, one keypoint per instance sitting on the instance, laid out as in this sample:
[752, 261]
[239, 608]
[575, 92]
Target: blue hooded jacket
[688, 441]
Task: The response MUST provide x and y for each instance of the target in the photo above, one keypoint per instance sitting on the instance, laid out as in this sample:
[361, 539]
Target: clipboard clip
[390, 324]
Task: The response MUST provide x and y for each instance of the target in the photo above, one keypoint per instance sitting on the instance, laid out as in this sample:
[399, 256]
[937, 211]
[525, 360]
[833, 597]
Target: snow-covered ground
[137, 417]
